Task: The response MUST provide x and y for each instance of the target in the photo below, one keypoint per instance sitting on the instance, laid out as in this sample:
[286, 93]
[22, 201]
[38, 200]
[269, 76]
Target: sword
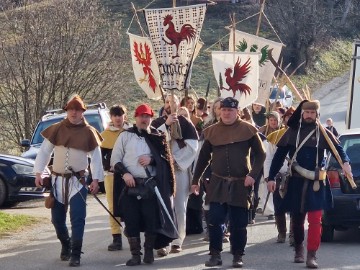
[106, 209]
[98, 200]
[266, 201]
[158, 195]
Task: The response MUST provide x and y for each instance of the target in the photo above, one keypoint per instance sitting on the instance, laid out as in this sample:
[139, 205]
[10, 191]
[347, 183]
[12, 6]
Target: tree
[49, 51]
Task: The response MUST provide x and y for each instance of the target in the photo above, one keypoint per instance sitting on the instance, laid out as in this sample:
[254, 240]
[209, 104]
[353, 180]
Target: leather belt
[80, 175]
[140, 181]
[227, 178]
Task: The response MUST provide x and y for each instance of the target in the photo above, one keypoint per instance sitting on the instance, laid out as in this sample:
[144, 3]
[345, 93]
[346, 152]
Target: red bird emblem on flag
[234, 81]
[144, 59]
[187, 33]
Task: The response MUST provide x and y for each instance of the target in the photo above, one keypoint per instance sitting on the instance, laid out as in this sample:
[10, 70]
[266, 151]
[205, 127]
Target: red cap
[144, 109]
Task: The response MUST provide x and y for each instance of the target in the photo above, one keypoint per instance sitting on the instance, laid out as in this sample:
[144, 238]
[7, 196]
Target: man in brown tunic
[226, 147]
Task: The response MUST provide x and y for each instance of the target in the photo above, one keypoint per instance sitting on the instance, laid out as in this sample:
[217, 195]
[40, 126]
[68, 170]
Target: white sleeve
[186, 155]
[96, 167]
[164, 129]
[270, 152]
[118, 153]
[43, 156]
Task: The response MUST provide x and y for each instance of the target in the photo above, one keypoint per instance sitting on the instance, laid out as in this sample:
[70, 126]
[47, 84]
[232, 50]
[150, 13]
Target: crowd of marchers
[197, 160]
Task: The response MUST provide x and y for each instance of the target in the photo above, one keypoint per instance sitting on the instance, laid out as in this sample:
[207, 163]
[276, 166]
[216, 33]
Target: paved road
[38, 248]
[334, 99]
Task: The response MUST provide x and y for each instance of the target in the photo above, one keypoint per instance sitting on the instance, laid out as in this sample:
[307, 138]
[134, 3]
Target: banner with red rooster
[245, 42]
[237, 75]
[174, 33]
[145, 68]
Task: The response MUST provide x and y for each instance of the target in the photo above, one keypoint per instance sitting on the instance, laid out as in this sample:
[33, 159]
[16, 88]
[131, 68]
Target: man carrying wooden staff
[308, 189]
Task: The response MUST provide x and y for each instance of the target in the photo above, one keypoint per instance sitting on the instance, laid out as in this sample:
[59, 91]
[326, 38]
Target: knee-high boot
[65, 247]
[149, 248]
[76, 246]
[135, 249]
[280, 221]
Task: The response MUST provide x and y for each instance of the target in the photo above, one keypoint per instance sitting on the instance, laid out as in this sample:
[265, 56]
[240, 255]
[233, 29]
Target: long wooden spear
[328, 140]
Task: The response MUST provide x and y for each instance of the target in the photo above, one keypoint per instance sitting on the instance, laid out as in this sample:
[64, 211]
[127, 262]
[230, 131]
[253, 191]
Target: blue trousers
[77, 205]
[238, 221]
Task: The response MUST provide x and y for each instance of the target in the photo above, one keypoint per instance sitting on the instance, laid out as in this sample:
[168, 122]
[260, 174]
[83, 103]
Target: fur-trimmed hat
[75, 102]
[311, 105]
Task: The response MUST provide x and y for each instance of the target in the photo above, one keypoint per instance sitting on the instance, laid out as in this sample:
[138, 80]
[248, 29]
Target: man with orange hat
[142, 159]
[72, 141]
[308, 190]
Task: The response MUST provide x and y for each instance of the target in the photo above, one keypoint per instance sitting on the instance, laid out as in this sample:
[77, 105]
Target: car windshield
[93, 119]
[351, 145]
[274, 91]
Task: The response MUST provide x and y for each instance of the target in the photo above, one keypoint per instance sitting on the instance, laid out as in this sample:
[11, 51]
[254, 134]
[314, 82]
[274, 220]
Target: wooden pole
[233, 27]
[174, 3]
[328, 140]
[260, 16]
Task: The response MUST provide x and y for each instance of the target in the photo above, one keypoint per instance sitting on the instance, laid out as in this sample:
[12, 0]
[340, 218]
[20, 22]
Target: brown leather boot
[280, 221]
[135, 249]
[299, 253]
[311, 259]
[215, 259]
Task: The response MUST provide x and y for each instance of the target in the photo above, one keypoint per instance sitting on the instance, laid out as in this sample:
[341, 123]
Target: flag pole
[260, 17]
[323, 131]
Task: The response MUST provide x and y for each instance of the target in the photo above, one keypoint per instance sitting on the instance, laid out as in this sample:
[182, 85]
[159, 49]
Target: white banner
[174, 33]
[237, 75]
[145, 68]
[245, 42]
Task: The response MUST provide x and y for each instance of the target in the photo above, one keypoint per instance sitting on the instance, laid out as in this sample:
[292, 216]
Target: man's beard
[168, 110]
[309, 120]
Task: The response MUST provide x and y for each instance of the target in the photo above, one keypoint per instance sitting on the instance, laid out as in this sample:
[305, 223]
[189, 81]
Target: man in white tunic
[72, 141]
[184, 145]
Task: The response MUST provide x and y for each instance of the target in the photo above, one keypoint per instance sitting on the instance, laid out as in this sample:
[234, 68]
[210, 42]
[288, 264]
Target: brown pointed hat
[75, 102]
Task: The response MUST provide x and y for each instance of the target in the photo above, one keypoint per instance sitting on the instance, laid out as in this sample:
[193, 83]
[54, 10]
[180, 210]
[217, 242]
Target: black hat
[229, 102]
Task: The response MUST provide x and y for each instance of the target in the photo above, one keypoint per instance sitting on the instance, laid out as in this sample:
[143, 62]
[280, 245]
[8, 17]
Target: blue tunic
[306, 158]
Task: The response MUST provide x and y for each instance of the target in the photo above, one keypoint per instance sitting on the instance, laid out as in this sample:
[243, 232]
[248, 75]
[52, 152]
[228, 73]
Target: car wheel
[327, 233]
[3, 192]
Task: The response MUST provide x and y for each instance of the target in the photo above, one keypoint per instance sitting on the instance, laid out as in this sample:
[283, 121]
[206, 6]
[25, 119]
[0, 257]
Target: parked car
[17, 180]
[283, 95]
[346, 211]
[96, 115]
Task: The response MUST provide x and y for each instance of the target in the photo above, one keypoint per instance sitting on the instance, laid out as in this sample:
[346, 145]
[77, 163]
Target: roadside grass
[13, 223]
[330, 62]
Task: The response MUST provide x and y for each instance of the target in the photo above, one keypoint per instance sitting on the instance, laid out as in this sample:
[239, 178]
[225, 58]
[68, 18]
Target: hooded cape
[80, 136]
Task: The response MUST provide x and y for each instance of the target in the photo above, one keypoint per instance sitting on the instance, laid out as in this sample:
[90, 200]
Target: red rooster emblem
[240, 72]
[187, 32]
[144, 59]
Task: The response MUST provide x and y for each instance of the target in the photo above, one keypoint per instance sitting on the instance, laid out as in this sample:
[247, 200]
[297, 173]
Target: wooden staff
[328, 140]
[260, 16]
